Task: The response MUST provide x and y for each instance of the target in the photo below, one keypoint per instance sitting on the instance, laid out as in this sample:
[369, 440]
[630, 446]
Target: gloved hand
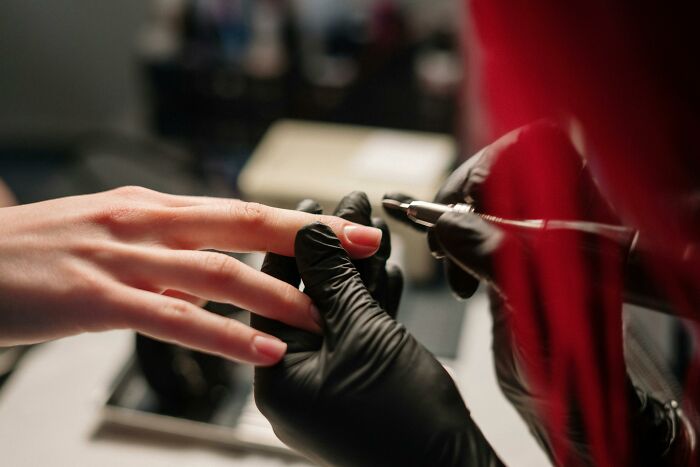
[513, 179]
[553, 284]
[366, 393]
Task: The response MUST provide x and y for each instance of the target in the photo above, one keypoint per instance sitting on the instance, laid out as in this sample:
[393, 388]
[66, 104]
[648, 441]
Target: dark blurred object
[186, 382]
[218, 73]
[180, 377]
[98, 161]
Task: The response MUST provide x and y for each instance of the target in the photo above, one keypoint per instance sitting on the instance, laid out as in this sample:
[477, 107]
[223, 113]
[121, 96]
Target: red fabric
[628, 73]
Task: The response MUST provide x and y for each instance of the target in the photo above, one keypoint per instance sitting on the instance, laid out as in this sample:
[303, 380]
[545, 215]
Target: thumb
[332, 282]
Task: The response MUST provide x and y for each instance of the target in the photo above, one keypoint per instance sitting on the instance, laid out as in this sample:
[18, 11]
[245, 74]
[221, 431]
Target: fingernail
[315, 315]
[363, 236]
[269, 347]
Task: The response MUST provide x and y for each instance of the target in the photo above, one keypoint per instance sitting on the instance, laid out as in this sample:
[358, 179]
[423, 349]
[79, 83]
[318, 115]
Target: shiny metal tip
[395, 205]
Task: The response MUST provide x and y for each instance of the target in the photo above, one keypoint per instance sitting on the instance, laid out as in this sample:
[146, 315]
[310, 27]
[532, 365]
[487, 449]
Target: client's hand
[130, 258]
[366, 393]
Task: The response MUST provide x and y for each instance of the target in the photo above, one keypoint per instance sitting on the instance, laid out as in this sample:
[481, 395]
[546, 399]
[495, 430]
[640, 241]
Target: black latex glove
[366, 393]
[661, 434]
[474, 249]
[384, 281]
[466, 243]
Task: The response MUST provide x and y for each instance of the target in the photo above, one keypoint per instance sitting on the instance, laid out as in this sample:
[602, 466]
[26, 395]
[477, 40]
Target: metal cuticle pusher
[424, 212]
[427, 214]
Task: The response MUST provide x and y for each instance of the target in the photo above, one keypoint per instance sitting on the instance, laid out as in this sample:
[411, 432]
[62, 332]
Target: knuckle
[133, 191]
[123, 217]
[231, 338]
[100, 298]
[124, 205]
[291, 298]
[94, 285]
[229, 329]
[220, 269]
[177, 309]
[254, 211]
[116, 214]
[84, 282]
[96, 251]
[168, 319]
[83, 248]
[253, 214]
[254, 217]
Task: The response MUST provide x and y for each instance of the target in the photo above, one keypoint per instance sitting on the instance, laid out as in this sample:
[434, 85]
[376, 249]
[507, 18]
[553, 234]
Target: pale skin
[132, 258]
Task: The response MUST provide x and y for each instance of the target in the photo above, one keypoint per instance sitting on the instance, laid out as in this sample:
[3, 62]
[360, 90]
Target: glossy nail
[269, 347]
[368, 237]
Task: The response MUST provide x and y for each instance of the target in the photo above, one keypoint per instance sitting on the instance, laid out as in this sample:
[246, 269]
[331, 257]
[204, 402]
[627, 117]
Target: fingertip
[267, 350]
[362, 240]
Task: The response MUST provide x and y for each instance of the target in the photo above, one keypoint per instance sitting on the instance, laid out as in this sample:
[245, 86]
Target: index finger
[235, 225]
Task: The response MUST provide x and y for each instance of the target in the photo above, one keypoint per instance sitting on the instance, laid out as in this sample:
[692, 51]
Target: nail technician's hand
[130, 258]
[508, 257]
[533, 172]
[366, 393]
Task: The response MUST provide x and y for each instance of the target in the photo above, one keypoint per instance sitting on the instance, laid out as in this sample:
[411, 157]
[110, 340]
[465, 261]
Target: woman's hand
[131, 258]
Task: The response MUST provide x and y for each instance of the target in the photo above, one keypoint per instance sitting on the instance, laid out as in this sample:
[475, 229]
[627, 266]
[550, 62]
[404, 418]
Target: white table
[50, 408]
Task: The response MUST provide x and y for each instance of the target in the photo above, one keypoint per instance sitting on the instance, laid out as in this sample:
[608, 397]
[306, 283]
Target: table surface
[50, 408]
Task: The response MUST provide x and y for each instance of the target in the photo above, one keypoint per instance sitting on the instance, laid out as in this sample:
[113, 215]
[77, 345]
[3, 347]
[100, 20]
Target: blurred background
[197, 83]
[267, 100]
[225, 98]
